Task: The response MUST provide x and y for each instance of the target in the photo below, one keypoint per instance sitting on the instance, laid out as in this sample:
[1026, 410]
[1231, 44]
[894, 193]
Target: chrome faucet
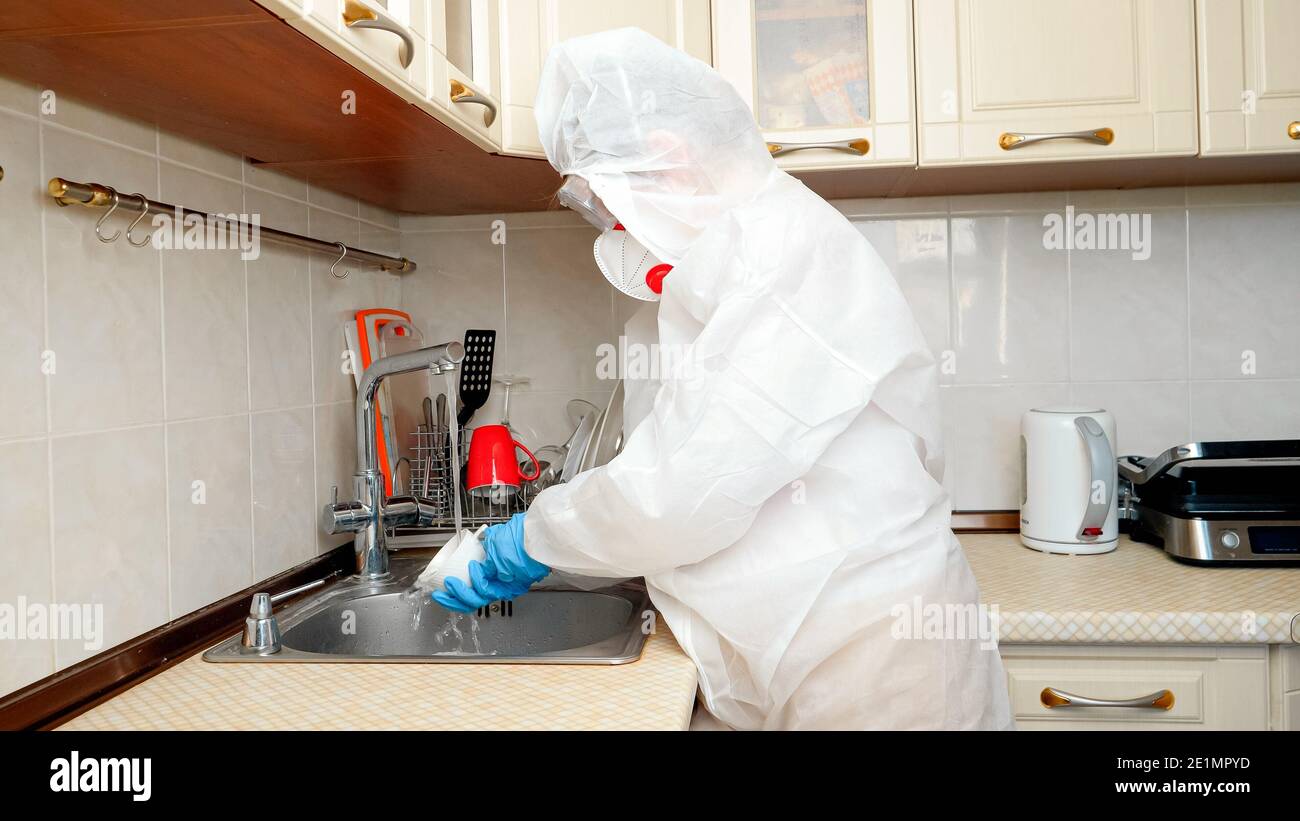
[374, 513]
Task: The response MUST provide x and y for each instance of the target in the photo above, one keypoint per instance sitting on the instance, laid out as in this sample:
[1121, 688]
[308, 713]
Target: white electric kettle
[1068, 491]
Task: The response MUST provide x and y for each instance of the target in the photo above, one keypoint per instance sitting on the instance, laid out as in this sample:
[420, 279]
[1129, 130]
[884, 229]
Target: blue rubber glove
[506, 572]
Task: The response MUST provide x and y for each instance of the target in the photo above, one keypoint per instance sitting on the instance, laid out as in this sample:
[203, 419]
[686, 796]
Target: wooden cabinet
[1248, 62]
[1208, 687]
[830, 84]
[528, 29]
[1003, 81]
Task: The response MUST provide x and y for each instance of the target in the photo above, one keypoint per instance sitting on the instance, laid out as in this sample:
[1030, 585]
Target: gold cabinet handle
[461, 93]
[1010, 139]
[357, 15]
[1053, 698]
[858, 146]
[1293, 130]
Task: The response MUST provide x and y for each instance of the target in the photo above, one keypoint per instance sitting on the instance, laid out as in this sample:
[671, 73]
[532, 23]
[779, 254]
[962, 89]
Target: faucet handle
[261, 630]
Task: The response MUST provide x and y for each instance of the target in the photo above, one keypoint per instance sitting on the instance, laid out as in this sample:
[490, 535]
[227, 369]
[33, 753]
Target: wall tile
[210, 525]
[459, 284]
[556, 300]
[19, 95]
[22, 279]
[1245, 409]
[324, 198]
[335, 302]
[336, 461]
[204, 157]
[1128, 317]
[263, 178]
[1150, 417]
[1245, 291]
[1010, 299]
[982, 440]
[105, 318]
[284, 491]
[84, 117]
[279, 309]
[916, 251]
[110, 534]
[204, 308]
[25, 510]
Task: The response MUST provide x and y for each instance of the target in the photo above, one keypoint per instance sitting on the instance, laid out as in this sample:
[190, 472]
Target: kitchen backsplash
[1176, 311]
[172, 420]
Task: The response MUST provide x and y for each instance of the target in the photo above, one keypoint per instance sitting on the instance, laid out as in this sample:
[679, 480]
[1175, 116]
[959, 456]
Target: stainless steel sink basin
[359, 621]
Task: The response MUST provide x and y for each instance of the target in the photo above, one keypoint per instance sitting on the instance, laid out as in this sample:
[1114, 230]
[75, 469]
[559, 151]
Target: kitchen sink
[359, 620]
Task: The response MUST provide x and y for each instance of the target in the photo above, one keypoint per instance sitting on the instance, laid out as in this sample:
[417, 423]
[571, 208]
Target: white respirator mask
[628, 266]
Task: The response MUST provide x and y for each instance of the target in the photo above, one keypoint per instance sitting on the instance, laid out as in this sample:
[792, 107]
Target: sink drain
[504, 609]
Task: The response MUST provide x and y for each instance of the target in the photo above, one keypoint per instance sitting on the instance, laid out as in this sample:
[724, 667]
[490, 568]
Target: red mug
[492, 463]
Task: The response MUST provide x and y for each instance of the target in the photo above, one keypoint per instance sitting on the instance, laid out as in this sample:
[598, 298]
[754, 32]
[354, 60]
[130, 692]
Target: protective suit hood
[661, 137]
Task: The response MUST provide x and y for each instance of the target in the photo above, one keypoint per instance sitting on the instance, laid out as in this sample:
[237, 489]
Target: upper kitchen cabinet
[465, 35]
[830, 83]
[528, 29]
[1006, 81]
[388, 40]
[1249, 65]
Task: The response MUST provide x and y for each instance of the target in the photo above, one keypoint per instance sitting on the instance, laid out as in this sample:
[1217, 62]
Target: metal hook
[343, 253]
[100, 223]
[144, 212]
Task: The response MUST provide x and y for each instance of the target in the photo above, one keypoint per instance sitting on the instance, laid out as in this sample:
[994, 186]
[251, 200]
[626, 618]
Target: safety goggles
[577, 195]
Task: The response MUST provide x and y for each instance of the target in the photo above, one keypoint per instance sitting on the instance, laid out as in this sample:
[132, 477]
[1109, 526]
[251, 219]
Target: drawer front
[1027, 687]
[1182, 687]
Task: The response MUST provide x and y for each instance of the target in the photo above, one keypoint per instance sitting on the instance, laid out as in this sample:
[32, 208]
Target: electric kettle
[1068, 493]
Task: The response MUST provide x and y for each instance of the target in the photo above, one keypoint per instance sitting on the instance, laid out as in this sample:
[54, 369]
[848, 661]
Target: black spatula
[476, 373]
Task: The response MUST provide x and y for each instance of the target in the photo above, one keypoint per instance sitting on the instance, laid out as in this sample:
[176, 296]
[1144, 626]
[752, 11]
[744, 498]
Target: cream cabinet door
[830, 84]
[1005, 81]
[385, 39]
[529, 28]
[466, 81]
[1248, 57]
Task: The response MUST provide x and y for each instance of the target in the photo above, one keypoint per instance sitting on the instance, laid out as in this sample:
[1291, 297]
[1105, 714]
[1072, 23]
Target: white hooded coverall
[779, 488]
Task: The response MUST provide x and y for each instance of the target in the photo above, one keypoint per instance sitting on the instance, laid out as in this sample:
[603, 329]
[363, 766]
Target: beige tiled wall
[1159, 342]
[170, 368]
[539, 289]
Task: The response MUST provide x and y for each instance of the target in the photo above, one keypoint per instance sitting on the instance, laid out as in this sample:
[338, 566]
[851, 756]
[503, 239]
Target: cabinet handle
[1053, 698]
[1293, 130]
[860, 146]
[1011, 139]
[460, 93]
[357, 15]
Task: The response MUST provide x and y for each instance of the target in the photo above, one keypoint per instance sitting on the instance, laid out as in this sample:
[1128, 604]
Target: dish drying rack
[431, 477]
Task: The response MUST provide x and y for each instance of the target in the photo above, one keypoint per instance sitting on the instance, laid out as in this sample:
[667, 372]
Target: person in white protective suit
[779, 488]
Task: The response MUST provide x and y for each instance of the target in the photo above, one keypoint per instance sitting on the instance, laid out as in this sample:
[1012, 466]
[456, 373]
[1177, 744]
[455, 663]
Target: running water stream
[417, 597]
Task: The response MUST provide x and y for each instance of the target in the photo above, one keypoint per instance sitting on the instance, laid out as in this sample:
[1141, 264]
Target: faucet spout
[373, 513]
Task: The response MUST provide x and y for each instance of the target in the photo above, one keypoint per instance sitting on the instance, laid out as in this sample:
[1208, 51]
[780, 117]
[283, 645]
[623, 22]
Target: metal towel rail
[96, 195]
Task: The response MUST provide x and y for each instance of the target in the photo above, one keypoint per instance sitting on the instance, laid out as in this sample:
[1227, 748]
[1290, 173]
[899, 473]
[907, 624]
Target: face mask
[628, 266]
[577, 195]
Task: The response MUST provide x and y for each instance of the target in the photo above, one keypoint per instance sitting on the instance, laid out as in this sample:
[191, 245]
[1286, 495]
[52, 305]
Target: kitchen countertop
[1135, 594]
[656, 692]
